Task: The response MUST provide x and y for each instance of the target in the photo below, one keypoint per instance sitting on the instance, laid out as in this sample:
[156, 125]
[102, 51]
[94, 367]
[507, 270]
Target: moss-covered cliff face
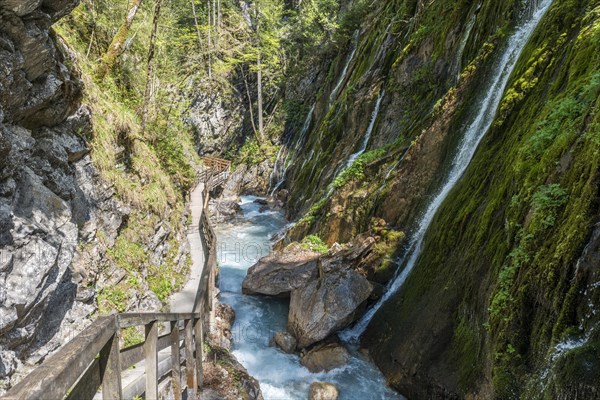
[503, 301]
[427, 60]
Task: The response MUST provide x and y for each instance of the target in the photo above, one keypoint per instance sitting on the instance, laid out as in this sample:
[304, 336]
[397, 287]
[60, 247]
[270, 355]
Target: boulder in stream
[323, 391]
[285, 341]
[279, 273]
[327, 305]
[325, 357]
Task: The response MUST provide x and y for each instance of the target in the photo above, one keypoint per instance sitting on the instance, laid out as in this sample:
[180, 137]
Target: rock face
[325, 357]
[327, 305]
[51, 199]
[221, 332]
[285, 342]
[279, 273]
[322, 391]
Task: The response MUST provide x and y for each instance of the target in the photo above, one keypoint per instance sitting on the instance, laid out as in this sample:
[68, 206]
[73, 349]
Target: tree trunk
[209, 42]
[115, 49]
[259, 95]
[200, 42]
[150, 72]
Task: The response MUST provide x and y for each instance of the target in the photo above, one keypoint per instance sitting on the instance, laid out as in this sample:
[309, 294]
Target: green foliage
[356, 171]
[314, 243]
[132, 336]
[112, 298]
[546, 201]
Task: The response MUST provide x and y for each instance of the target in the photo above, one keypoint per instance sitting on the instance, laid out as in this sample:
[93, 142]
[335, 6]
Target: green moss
[314, 243]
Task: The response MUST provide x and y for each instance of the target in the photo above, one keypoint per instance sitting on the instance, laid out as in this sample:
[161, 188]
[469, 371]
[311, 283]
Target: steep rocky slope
[80, 234]
[512, 246]
[51, 197]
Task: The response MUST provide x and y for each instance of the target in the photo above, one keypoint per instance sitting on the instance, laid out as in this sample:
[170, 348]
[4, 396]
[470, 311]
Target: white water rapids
[280, 375]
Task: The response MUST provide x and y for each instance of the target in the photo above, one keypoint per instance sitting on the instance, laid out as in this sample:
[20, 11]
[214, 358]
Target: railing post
[175, 360]
[189, 356]
[110, 369]
[199, 351]
[151, 353]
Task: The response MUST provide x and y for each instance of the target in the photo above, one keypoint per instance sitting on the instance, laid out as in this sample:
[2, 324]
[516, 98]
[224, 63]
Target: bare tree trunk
[249, 104]
[219, 14]
[150, 73]
[209, 42]
[116, 46]
[259, 96]
[214, 10]
[200, 42]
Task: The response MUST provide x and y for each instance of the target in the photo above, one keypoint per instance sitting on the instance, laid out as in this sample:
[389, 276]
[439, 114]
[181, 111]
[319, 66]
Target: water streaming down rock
[342, 78]
[285, 157]
[473, 134]
[365, 141]
[368, 133]
[457, 64]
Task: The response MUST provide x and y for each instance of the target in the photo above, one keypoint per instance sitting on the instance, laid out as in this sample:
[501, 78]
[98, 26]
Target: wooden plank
[127, 320]
[88, 385]
[151, 354]
[199, 340]
[134, 354]
[55, 377]
[110, 369]
[189, 355]
[175, 360]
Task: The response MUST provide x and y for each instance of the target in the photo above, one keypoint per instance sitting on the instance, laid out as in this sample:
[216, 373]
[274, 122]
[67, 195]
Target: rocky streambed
[289, 304]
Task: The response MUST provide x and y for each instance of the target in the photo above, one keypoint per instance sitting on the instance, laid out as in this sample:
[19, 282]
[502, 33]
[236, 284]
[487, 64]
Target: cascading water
[363, 146]
[369, 132]
[342, 78]
[457, 67]
[283, 162]
[472, 137]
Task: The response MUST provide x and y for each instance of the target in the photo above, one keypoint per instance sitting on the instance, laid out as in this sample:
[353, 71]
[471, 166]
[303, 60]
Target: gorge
[412, 209]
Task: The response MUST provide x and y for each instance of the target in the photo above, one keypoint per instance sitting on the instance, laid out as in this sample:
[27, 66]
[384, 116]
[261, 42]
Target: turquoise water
[281, 376]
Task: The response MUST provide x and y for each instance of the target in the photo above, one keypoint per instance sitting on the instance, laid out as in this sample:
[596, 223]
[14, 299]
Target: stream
[281, 376]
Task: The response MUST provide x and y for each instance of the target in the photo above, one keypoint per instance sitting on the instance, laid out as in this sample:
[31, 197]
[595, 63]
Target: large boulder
[323, 391]
[285, 341]
[281, 272]
[326, 305]
[325, 357]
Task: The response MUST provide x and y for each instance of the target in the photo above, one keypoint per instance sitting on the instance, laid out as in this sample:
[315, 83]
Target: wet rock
[221, 334]
[327, 305]
[325, 357]
[279, 273]
[285, 341]
[225, 378]
[224, 210]
[322, 391]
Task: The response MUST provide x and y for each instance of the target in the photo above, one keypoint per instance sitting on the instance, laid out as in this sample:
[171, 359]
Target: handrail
[93, 359]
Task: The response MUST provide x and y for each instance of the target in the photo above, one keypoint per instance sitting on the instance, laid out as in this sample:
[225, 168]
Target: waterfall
[345, 70]
[364, 143]
[463, 44]
[369, 132]
[283, 162]
[473, 134]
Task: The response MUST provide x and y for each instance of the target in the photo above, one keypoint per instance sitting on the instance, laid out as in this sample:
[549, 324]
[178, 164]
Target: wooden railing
[94, 360]
[215, 171]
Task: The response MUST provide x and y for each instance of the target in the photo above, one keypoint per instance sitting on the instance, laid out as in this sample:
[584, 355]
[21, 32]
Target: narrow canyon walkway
[183, 301]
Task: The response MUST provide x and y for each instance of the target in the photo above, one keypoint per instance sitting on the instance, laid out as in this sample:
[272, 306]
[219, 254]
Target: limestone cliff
[66, 248]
